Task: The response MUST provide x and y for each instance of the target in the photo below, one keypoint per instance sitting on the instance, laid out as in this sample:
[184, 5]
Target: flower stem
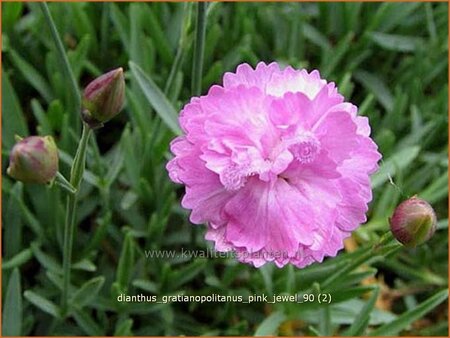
[199, 47]
[64, 61]
[76, 175]
[385, 246]
[197, 68]
[182, 46]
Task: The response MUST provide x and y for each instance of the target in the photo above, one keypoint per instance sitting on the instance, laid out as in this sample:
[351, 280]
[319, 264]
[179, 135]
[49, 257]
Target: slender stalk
[385, 245]
[77, 170]
[64, 61]
[197, 68]
[199, 48]
[175, 67]
[182, 45]
[76, 175]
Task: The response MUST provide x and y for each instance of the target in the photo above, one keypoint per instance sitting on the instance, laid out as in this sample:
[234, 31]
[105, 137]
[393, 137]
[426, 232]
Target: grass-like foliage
[390, 59]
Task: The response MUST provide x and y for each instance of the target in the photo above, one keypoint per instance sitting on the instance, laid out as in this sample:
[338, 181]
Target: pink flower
[276, 164]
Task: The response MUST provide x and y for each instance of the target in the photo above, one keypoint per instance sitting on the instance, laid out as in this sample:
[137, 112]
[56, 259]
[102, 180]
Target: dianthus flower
[276, 164]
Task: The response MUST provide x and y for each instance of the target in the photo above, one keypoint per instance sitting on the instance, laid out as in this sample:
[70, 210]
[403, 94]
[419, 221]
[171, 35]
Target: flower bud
[413, 222]
[34, 160]
[103, 98]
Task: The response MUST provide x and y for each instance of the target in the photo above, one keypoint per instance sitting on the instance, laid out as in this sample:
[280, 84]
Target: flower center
[233, 177]
[305, 147]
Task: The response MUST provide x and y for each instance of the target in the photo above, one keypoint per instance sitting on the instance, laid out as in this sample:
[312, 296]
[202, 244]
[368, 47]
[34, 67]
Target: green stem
[197, 69]
[173, 71]
[385, 246]
[199, 47]
[76, 175]
[182, 45]
[64, 60]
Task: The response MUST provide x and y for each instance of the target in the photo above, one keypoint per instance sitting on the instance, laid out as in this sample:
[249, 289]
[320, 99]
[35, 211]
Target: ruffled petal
[272, 217]
[247, 76]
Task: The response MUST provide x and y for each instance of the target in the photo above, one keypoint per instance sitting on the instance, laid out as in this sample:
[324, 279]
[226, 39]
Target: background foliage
[388, 58]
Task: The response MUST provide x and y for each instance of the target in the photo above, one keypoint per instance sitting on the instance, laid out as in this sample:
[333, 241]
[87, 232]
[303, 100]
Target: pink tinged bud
[413, 222]
[34, 160]
[104, 98]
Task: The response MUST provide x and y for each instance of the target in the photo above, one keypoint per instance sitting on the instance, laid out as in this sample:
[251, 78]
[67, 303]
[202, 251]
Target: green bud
[413, 222]
[103, 98]
[34, 159]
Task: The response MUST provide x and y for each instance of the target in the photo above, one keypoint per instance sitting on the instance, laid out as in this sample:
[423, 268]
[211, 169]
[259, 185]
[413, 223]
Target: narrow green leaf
[42, 303]
[88, 176]
[396, 326]
[334, 279]
[44, 126]
[83, 25]
[45, 260]
[315, 36]
[356, 277]
[270, 325]
[154, 29]
[431, 24]
[12, 307]
[28, 216]
[128, 200]
[34, 78]
[398, 161]
[146, 285]
[375, 85]
[337, 54]
[267, 276]
[85, 265]
[11, 13]
[398, 43]
[325, 320]
[13, 119]
[199, 49]
[85, 321]
[183, 44]
[121, 23]
[437, 190]
[139, 115]
[156, 98]
[362, 319]
[126, 262]
[188, 273]
[136, 33]
[115, 166]
[17, 260]
[78, 56]
[313, 331]
[13, 224]
[346, 294]
[87, 292]
[65, 66]
[396, 14]
[123, 328]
